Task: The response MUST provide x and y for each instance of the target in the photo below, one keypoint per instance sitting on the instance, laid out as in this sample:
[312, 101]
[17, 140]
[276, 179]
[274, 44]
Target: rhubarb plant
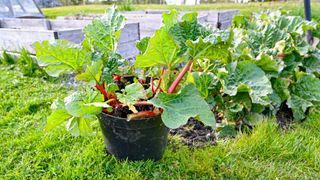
[269, 63]
[114, 87]
[168, 49]
[259, 67]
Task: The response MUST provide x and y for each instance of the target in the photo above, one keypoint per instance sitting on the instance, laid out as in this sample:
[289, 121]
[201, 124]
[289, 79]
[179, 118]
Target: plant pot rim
[126, 119]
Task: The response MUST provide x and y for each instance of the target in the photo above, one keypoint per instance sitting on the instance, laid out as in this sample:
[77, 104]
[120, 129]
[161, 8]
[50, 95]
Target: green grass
[296, 8]
[28, 153]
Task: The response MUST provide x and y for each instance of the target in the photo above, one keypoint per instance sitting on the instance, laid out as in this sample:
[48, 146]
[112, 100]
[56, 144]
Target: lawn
[296, 8]
[27, 152]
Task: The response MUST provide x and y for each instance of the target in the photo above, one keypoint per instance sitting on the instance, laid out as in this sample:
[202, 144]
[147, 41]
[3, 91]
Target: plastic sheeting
[19, 8]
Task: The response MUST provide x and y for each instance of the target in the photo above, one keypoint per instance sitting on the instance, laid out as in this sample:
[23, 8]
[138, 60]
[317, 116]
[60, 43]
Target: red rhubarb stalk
[102, 90]
[142, 114]
[159, 83]
[176, 82]
[152, 85]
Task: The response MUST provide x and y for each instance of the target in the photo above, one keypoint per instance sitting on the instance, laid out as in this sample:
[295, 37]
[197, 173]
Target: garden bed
[150, 20]
[16, 34]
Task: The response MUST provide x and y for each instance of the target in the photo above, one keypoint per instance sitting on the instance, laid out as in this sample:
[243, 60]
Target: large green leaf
[79, 109]
[103, 33]
[245, 76]
[294, 25]
[312, 63]
[190, 17]
[76, 103]
[79, 126]
[266, 39]
[298, 106]
[131, 94]
[143, 44]
[56, 118]
[212, 47]
[170, 19]
[205, 82]
[162, 50]
[269, 65]
[178, 108]
[189, 29]
[110, 68]
[60, 57]
[307, 87]
[281, 87]
[304, 93]
[93, 72]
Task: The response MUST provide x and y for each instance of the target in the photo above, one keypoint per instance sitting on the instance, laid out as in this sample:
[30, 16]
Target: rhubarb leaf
[56, 118]
[307, 87]
[103, 33]
[170, 19]
[205, 82]
[93, 72]
[189, 29]
[298, 106]
[189, 17]
[131, 94]
[304, 94]
[269, 65]
[312, 63]
[143, 44]
[60, 57]
[281, 87]
[178, 108]
[79, 126]
[248, 77]
[76, 103]
[207, 49]
[162, 50]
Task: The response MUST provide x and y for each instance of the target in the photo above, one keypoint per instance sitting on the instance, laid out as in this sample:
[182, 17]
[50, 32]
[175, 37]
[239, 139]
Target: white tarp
[19, 8]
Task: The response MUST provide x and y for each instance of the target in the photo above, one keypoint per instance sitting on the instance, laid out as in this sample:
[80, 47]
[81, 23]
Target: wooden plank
[16, 39]
[134, 12]
[31, 24]
[225, 24]
[202, 18]
[148, 29]
[143, 17]
[227, 15]
[147, 23]
[212, 17]
[128, 49]
[72, 35]
[130, 31]
[156, 11]
[68, 24]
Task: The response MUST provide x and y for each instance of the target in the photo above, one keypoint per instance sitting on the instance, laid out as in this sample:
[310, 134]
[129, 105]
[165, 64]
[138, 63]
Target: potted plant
[135, 104]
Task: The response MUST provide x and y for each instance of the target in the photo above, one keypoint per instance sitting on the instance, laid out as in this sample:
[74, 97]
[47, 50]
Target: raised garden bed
[16, 34]
[151, 20]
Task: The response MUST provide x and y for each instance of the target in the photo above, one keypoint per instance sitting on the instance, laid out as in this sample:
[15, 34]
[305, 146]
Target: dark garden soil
[195, 134]
[284, 116]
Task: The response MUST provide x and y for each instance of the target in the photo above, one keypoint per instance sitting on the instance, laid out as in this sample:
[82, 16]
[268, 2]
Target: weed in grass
[29, 67]
[6, 58]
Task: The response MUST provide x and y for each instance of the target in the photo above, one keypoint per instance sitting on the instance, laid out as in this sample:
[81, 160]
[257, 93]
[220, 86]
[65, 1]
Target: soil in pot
[139, 139]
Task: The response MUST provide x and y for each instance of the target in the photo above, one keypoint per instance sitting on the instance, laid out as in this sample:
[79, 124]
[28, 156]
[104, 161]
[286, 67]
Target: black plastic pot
[139, 139]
